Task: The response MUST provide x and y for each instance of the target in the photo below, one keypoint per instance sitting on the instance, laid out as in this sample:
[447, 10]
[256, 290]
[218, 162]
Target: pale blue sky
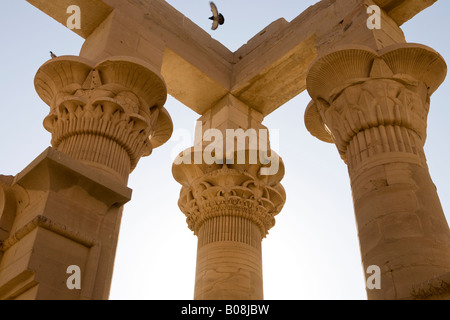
[311, 253]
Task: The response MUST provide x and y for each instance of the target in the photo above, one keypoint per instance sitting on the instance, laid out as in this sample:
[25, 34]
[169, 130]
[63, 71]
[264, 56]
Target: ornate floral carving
[376, 116]
[369, 103]
[108, 115]
[230, 191]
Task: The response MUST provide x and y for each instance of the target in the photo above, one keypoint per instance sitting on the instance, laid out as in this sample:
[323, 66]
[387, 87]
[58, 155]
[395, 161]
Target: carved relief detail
[109, 115]
[370, 103]
[376, 116]
[231, 193]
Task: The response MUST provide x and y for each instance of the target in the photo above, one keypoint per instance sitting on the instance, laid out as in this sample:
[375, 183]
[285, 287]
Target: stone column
[64, 210]
[230, 202]
[374, 106]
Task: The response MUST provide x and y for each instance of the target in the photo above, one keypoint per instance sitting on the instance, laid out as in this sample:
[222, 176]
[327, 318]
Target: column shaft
[229, 260]
[401, 226]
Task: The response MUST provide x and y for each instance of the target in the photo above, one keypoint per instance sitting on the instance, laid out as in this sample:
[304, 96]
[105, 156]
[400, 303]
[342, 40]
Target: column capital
[108, 114]
[409, 63]
[357, 90]
[211, 191]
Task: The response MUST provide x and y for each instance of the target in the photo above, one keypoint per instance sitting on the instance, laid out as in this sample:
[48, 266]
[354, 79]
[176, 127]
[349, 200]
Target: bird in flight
[217, 17]
[52, 55]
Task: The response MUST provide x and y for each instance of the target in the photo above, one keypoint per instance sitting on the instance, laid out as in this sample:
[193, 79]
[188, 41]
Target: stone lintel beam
[265, 73]
[195, 67]
[93, 14]
[403, 10]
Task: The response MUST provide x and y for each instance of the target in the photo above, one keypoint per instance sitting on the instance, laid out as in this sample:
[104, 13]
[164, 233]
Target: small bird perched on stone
[52, 55]
[217, 17]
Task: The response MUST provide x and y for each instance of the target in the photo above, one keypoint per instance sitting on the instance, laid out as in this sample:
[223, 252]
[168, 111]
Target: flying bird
[52, 55]
[217, 17]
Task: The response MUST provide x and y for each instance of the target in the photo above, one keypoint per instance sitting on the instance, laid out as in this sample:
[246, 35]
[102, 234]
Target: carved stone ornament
[107, 115]
[369, 103]
[235, 190]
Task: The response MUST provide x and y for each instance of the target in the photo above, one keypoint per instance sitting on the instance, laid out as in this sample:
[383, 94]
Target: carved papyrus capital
[368, 103]
[107, 115]
[230, 190]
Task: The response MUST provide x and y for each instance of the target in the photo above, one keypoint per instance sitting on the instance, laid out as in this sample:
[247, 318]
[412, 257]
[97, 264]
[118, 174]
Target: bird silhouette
[217, 17]
[52, 55]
